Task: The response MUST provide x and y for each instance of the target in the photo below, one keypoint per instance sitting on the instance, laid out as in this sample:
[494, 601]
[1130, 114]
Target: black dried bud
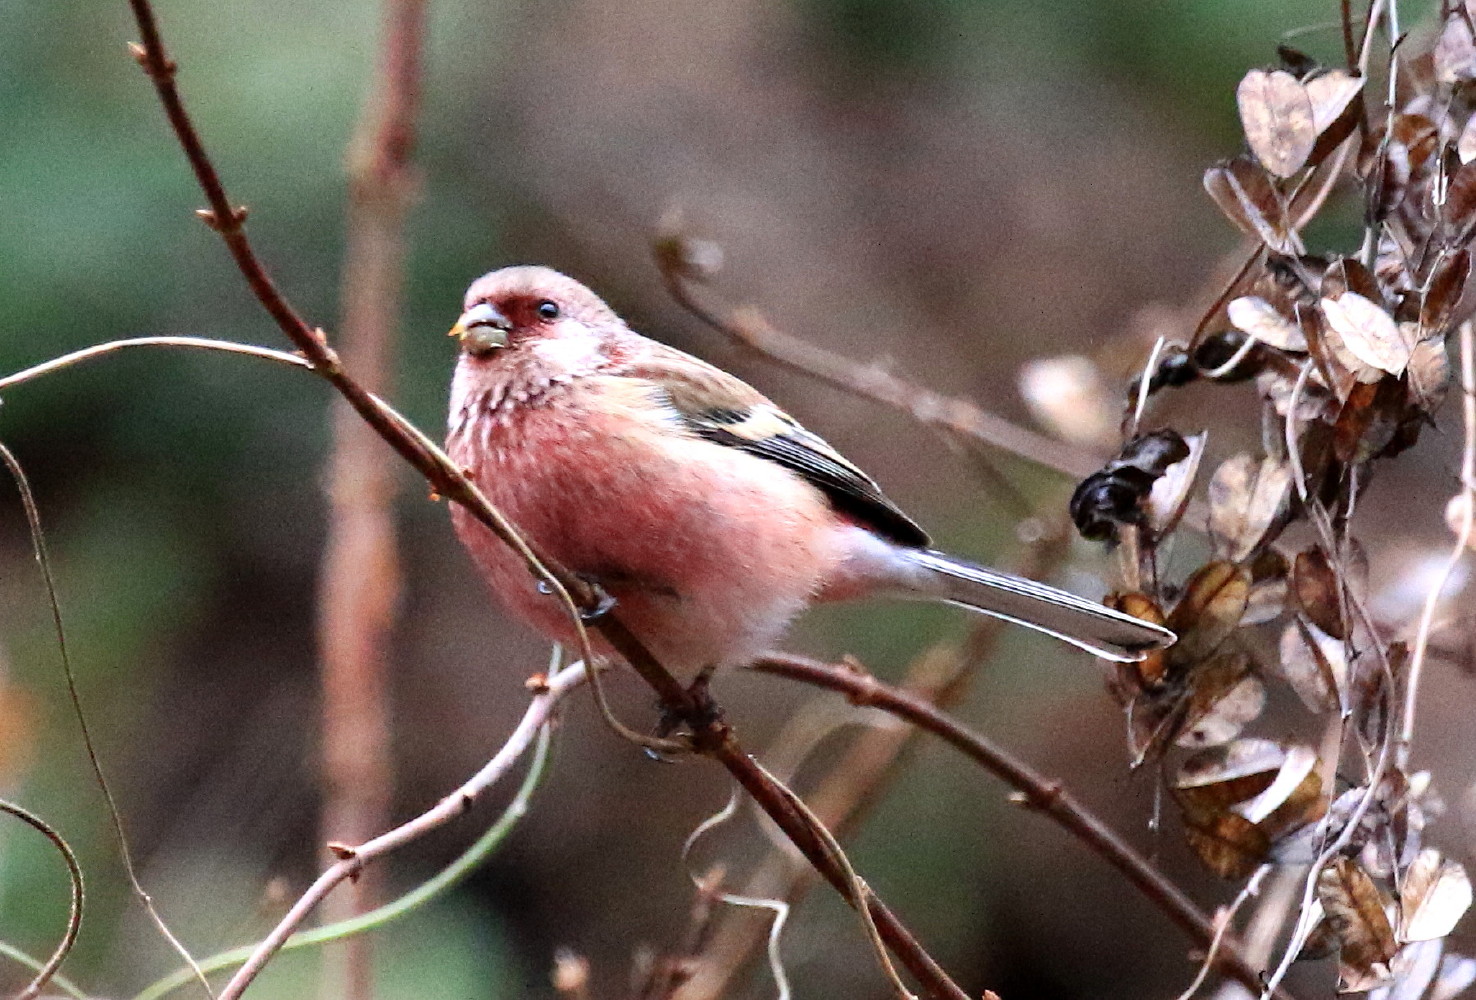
[1214, 353]
[1114, 496]
[1175, 368]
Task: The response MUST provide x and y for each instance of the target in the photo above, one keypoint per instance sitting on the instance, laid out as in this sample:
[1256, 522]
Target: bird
[708, 513]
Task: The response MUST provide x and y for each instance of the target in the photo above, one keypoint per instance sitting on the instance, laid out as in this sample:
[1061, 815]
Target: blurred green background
[956, 186]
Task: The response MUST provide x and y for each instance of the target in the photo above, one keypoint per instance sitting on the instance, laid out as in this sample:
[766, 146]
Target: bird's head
[508, 308]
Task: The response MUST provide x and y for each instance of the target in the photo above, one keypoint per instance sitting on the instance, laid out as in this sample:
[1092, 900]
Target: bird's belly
[708, 551]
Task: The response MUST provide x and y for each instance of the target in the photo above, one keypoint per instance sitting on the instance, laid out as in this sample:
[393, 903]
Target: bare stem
[74, 914]
[1464, 532]
[750, 329]
[352, 859]
[1038, 792]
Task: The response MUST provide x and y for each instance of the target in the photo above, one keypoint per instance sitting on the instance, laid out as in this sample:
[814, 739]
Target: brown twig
[353, 858]
[74, 914]
[710, 735]
[360, 582]
[747, 327]
[1037, 792]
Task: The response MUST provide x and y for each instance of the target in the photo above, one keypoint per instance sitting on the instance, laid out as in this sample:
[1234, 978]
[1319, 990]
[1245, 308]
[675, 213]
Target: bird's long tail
[1083, 623]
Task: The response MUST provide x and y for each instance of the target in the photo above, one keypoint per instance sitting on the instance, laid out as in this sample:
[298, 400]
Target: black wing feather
[848, 488]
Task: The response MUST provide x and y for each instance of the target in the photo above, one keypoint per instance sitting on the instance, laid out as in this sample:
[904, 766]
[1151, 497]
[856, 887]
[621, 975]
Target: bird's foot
[604, 602]
[703, 713]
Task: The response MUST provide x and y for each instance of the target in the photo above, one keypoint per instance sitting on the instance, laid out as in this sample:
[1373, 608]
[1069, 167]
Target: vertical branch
[360, 581]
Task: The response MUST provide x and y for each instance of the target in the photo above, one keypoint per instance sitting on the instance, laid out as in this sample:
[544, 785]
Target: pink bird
[709, 514]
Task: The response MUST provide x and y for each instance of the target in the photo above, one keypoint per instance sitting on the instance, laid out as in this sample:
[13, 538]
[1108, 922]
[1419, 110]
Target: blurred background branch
[360, 586]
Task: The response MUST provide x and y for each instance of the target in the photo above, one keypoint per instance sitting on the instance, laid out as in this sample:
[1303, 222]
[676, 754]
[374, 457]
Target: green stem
[419, 896]
[64, 984]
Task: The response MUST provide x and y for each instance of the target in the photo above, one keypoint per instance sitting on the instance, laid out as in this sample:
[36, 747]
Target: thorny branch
[709, 735]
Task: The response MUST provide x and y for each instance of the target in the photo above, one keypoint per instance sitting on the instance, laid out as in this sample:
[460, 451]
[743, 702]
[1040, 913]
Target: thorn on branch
[1038, 800]
[158, 68]
[208, 216]
[536, 684]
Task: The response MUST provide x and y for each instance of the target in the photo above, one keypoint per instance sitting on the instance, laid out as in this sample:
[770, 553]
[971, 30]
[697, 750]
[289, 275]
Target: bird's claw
[604, 604]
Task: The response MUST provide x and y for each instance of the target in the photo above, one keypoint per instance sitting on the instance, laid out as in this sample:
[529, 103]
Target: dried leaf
[1371, 693]
[1466, 145]
[1293, 799]
[1315, 665]
[1247, 500]
[1370, 420]
[1429, 374]
[1434, 894]
[1150, 671]
[1244, 193]
[1321, 941]
[1230, 845]
[1277, 115]
[1224, 776]
[1225, 696]
[1313, 403]
[1347, 275]
[1335, 109]
[1419, 136]
[1459, 209]
[1261, 320]
[1443, 292]
[1213, 603]
[1455, 55]
[1267, 601]
[1389, 176]
[1271, 787]
[1315, 587]
[1369, 332]
[1355, 910]
[1169, 497]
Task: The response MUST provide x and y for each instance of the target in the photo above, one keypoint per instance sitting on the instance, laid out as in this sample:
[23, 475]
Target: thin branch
[33, 963]
[434, 887]
[74, 695]
[99, 350]
[1037, 792]
[352, 859]
[748, 328]
[74, 914]
[1464, 531]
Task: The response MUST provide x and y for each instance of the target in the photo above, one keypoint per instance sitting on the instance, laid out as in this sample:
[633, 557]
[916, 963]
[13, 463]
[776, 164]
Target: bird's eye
[548, 310]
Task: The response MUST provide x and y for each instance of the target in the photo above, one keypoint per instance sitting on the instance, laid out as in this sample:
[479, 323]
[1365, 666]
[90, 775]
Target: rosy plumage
[710, 515]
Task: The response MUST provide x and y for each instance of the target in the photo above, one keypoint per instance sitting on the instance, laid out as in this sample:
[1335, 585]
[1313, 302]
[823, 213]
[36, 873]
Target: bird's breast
[708, 550]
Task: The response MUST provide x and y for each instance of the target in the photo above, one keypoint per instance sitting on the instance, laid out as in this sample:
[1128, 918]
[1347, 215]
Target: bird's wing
[724, 409]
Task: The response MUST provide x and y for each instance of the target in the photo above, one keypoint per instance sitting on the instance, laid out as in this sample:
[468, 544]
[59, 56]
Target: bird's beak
[482, 329]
